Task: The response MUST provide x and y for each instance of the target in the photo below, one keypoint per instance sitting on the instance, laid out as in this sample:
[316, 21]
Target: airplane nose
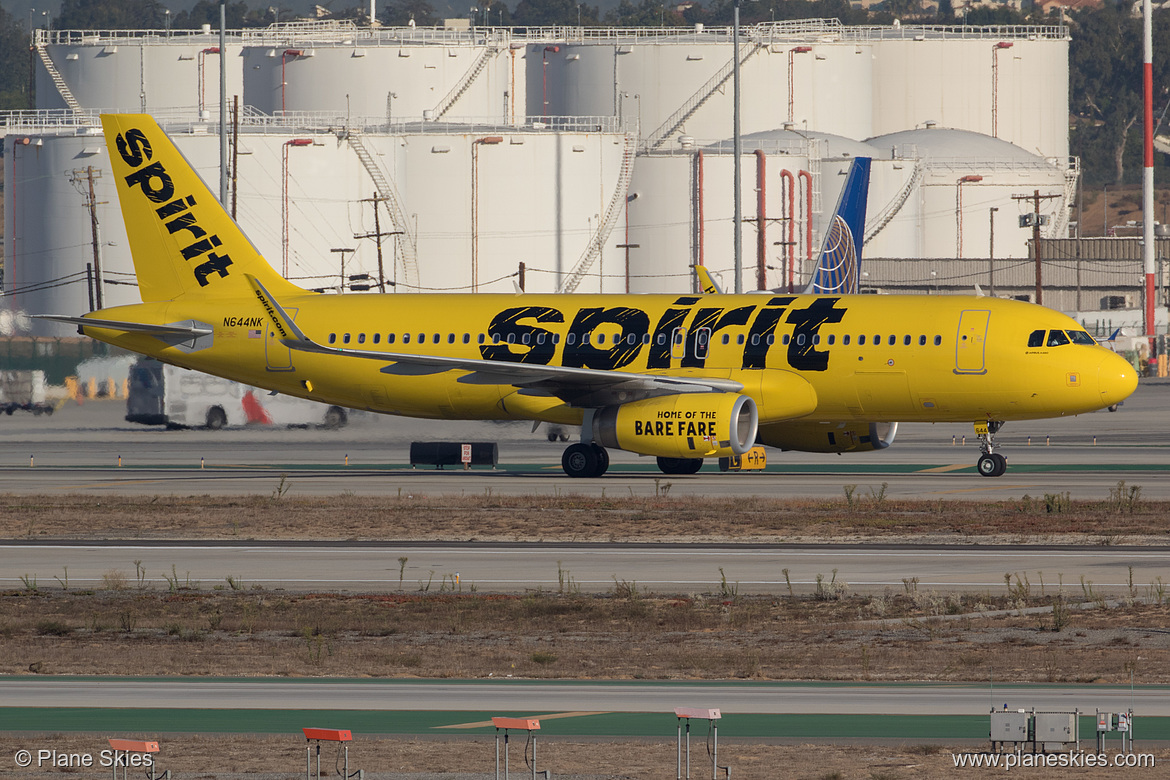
[1117, 379]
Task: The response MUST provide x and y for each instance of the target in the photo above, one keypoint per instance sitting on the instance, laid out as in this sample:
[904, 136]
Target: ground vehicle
[23, 391]
[162, 394]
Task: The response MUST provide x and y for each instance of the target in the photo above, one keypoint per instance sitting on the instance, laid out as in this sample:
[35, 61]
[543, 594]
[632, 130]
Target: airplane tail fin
[183, 241]
[838, 267]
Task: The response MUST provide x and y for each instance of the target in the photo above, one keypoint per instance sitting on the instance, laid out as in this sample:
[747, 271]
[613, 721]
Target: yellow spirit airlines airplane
[680, 377]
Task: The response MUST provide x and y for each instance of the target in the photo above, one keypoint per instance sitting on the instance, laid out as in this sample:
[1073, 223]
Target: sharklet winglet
[284, 325]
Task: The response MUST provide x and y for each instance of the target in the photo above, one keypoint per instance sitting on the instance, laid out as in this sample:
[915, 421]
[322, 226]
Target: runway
[515, 568]
[520, 696]
[78, 450]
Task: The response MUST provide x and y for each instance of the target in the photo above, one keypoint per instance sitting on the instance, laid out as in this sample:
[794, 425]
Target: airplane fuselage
[868, 358]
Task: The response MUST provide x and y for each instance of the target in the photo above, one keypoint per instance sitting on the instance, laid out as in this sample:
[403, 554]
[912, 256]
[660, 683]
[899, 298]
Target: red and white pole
[1148, 170]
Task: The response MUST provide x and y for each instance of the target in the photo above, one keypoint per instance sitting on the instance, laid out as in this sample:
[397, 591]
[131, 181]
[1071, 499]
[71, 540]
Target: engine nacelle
[829, 437]
[687, 425]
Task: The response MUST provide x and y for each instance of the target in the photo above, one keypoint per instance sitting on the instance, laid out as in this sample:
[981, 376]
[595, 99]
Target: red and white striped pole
[1148, 170]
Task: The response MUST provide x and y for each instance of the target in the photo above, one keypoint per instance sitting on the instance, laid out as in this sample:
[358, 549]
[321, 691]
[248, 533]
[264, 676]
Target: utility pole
[82, 178]
[377, 236]
[1033, 220]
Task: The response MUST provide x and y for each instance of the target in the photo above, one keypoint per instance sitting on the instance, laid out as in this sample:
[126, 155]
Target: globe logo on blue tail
[837, 271]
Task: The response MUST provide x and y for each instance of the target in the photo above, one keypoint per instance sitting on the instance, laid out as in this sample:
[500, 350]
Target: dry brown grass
[219, 756]
[886, 637]
[580, 518]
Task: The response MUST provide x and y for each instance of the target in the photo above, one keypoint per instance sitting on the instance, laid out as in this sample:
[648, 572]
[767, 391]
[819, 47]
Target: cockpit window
[1056, 338]
[1036, 339]
[1080, 337]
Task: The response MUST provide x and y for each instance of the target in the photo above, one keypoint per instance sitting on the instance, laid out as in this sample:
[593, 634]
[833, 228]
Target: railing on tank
[347, 33]
[327, 121]
[144, 37]
[186, 120]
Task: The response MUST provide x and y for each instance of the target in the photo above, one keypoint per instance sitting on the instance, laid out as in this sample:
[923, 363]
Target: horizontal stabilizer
[129, 327]
[706, 283]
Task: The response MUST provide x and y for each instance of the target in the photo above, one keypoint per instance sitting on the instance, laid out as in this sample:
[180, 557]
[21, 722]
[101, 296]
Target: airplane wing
[131, 327]
[573, 385]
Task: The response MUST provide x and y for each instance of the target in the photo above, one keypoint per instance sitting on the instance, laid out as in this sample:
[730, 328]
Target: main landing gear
[585, 460]
[680, 465]
[592, 460]
[990, 463]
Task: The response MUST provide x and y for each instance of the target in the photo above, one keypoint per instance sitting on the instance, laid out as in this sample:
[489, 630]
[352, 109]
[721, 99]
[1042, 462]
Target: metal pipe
[788, 179]
[791, 81]
[959, 210]
[991, 255]
[995, 85]
[761, 220]
[715, 750]
[808, 196]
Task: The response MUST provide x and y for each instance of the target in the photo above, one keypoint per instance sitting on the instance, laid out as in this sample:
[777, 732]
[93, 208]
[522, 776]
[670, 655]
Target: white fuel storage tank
[959, 176]
[133, 71]
[681, 208]
[394, 74]
[461, 206]
[678, 82]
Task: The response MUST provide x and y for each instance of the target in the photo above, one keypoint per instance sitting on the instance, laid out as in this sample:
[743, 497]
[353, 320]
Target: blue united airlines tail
[837, 268]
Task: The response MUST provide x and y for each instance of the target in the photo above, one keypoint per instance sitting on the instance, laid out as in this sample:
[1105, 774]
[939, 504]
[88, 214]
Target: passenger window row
[633, 339]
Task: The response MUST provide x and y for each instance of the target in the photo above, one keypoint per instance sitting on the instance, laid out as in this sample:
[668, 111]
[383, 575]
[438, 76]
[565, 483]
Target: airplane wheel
[993, 465]
[602, 459]
[1002, 462]
[680, 465]
[552, 437]
[580, 460]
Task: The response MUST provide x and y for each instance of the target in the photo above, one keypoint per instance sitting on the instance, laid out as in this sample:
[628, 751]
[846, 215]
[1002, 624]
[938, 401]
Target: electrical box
[1009, 726]
[1056, 730]
[1104, 721]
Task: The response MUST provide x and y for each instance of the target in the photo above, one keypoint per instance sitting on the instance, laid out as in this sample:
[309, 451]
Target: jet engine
[829, 437]
[687, 425]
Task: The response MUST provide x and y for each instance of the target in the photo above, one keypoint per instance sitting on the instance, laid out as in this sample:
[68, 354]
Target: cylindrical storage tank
[380, 78]
[963, 175]
[490, 200]
[1012, 86]
[680, 83]
[48, 238]
[116, 72]
[682, 207]
[474, 205]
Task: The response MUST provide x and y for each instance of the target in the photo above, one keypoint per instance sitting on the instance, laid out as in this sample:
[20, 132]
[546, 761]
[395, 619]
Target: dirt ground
[902, 636]
[1048, 519]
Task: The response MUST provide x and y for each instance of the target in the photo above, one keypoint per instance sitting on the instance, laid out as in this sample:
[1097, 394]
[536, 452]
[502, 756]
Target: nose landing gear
[990, 463]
